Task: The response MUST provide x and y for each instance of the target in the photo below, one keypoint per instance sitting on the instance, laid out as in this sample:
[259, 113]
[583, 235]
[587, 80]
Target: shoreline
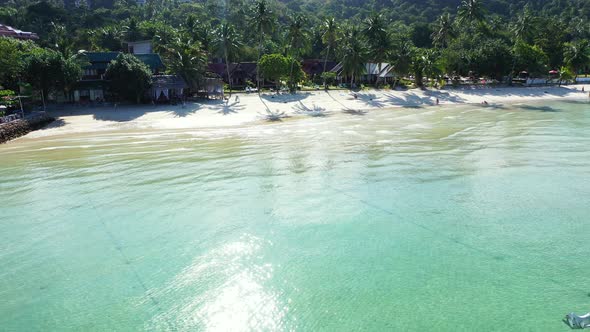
[251, 109]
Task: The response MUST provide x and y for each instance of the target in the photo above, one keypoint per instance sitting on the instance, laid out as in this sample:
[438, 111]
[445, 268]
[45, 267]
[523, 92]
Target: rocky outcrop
[21, 127]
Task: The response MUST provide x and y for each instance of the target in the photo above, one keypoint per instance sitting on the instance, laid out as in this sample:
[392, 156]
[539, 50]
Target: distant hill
[408, 11]
[427, 10]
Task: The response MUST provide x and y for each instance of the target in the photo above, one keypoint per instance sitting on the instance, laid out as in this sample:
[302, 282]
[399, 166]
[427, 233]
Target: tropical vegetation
[497, 39]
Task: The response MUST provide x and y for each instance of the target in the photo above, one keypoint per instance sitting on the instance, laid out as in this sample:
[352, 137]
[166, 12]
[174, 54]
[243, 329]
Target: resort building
[167, 88]
[372, 72]
[140, 47]
[244, 72]
[8, 31]
[93, 87]
[241, 73]
[314, 68]
[370, 75]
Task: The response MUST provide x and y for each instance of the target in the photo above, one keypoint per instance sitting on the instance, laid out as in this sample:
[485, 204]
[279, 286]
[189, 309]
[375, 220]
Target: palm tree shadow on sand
[269, 115]
[314, 111]
[346, 109]
[182, 111]
[226, 108]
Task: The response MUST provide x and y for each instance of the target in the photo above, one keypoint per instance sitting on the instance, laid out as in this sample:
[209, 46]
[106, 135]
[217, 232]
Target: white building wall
[140, 47]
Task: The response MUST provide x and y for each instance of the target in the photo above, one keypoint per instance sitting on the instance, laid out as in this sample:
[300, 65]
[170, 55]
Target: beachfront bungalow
[93, 87]
[314, 68]
[167, 88]
[372, 73]
[244, 72]
[386, 75]
[211, 87]
[8, 31]
[241, 74]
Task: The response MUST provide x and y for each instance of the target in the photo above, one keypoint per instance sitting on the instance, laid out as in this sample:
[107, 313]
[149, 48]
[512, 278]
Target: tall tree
[354, 55]
[565, 75]
[132, 30]
[49, 71]
[12, 61]
[471, 11]
[431, 66]
[577, 55]
[523, 27]
[418, 70]
[205, 35]
[109, 38]
[330, 33]
[378, 40]
[443, 31]
[530, 58]
[402, 58]
[298, 38]
[61, 40]
[262, 21]
[129, 77]
[185, 58]
[274, 67]
[227, 44]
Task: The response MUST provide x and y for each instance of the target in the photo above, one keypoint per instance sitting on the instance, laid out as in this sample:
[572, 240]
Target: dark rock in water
[21, 127]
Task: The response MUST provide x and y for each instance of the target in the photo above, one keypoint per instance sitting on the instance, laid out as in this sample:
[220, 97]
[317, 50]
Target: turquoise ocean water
[431, 219]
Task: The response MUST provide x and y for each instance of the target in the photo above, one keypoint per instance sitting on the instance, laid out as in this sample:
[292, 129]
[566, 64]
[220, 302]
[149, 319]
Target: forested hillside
[427, 10]
[425, 38]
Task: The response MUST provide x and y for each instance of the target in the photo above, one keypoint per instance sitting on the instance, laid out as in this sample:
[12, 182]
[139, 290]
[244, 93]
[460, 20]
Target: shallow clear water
[460, 219]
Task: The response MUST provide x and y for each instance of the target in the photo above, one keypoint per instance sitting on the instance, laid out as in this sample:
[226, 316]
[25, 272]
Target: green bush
[129, 77]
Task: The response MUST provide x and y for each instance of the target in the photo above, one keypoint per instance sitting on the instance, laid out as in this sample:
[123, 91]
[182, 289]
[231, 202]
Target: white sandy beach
[249, 108]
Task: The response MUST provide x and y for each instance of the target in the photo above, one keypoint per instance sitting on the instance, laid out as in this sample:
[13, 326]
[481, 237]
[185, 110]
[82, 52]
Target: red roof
[8, 31]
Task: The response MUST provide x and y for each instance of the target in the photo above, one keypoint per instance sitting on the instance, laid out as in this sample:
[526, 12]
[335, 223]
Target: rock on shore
[21, 127]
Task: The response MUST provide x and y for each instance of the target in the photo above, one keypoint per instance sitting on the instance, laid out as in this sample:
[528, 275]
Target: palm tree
[204, 34]
[191, 24]
[329, 38]
[108, 38]
[577, 55]
[354, 55]
[298, 40]
[470, 11]
[227, 44]
[443, 31]
[565, 75]
[522, 29]
[61, 40]
[379, 41]
[402, 58]
[186, 58]
[132, 30]
[430, 63]
[425, 65]
[262, 21]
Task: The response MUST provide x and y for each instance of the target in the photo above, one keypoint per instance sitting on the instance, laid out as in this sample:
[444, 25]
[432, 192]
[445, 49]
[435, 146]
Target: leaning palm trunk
[258, 64]
[228, 73]
[325, 63]
[291, 83]
[378, 74]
